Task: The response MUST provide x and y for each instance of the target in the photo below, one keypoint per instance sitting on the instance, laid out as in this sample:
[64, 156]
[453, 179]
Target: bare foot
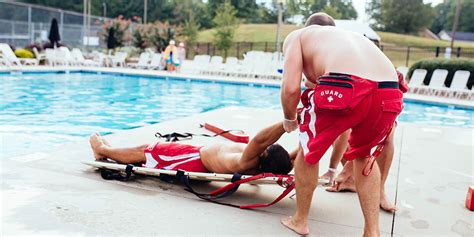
[299, 229]
[329, 176]
[97, 145]
[386, 205]
[343, 184]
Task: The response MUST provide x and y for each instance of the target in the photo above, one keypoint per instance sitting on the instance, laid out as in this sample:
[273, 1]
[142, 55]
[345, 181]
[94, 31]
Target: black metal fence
[400, 56]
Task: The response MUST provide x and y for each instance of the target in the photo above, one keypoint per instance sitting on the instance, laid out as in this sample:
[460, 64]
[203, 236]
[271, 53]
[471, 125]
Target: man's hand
[290, 125]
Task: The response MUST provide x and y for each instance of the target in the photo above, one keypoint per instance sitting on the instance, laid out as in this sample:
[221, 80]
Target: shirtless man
[357, 89]
[258, 156]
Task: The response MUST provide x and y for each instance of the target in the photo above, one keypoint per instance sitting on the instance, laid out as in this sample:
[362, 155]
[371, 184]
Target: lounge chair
[10, 57]
[118, 60]
[215, 65]
[65, 54]
[201, 62]
[403, 71]
[458, 88]
[231, 67]
[156, 62]
[436, 85]
[79, 58]
[38, 55]
[56, 57]
[416, 80]
[4, 61]
[143, 61]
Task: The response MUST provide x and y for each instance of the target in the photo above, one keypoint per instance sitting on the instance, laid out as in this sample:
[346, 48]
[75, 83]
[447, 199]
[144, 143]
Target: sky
[359, 5]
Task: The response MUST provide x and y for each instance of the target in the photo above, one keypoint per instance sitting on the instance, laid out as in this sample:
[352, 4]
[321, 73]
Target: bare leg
[306, 181]
[339, 147]
[103, 150]
[385, 161]
[345, 180]
[368, 190]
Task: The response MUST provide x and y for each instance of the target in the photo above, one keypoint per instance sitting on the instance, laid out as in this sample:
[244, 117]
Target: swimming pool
[42, 110]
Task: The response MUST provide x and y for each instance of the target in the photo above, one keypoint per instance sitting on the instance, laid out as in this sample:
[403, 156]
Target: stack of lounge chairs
[256, 64]
[437, 84]
[148, 60]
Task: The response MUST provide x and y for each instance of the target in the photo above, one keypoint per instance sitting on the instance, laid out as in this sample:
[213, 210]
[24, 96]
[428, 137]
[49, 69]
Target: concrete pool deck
[54, 194]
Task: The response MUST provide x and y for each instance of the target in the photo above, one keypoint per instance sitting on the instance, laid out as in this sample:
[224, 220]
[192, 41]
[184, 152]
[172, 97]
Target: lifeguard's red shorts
[340, 102]
[174, 156]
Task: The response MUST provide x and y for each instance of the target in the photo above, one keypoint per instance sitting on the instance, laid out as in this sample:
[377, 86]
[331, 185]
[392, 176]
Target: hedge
[452, 65]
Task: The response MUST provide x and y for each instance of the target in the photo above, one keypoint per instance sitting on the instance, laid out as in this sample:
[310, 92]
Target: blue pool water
[43, 110]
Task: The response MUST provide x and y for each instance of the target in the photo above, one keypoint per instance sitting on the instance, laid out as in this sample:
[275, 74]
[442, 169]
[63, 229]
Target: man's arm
[259, 143]
[291, 84]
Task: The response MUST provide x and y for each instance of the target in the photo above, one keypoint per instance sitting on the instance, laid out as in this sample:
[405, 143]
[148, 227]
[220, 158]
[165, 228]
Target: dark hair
[277, 161]
[320, 19]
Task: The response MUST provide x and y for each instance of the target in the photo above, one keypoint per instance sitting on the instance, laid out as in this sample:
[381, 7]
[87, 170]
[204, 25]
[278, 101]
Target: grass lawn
[416, 41]
[252, 33]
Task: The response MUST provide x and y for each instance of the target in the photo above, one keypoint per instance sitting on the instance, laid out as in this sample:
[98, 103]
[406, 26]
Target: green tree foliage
[401, 16]
[245, 9]
[338, 9]
[445, 16]
[191, 28]
[226, 23]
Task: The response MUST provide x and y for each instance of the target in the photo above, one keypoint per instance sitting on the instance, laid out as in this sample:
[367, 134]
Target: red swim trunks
[174, 156]
[340, 102]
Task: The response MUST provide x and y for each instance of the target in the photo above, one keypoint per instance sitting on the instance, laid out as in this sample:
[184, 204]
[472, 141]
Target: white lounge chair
[201, 62]
[38, 55]
[4, 61]
[403, 71]
[436, 85]
[143, 61]
[416, 80]
[10, 57]
[458, 88]
[231, 67]
[215, 65]
[56, 57]
[156, 62]
[79, 58]
[65, 54]
[118, 60]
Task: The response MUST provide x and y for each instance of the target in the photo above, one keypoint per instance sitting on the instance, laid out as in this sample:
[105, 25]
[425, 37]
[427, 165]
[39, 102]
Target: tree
[191, 28]
[445, 16]
[338, 9]
[374, 12]
[402, 16]
[226, 23]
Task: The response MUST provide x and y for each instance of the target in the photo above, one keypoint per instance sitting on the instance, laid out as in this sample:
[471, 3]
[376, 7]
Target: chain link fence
[22, 24]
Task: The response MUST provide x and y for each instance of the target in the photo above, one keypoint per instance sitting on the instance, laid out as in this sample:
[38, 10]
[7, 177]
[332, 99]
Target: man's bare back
[226, 158]
[329, 49]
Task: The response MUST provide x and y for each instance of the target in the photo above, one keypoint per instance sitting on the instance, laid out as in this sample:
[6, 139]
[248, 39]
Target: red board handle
[233, 136]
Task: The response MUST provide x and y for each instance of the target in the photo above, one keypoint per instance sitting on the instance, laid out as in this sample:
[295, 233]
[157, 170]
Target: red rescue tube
[470, 198]
[233, 136]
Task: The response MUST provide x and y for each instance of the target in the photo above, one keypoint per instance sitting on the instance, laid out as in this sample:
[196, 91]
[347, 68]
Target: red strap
[282, 195]
[288, 184]
[370, 163]
[238, 182]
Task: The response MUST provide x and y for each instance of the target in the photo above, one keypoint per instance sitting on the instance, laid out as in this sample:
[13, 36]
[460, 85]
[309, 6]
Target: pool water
[43, 110]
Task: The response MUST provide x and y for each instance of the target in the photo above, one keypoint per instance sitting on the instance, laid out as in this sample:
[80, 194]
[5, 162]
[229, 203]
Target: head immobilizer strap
[231, 188]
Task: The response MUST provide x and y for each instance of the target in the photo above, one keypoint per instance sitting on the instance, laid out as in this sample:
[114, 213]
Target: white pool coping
[466, 104]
